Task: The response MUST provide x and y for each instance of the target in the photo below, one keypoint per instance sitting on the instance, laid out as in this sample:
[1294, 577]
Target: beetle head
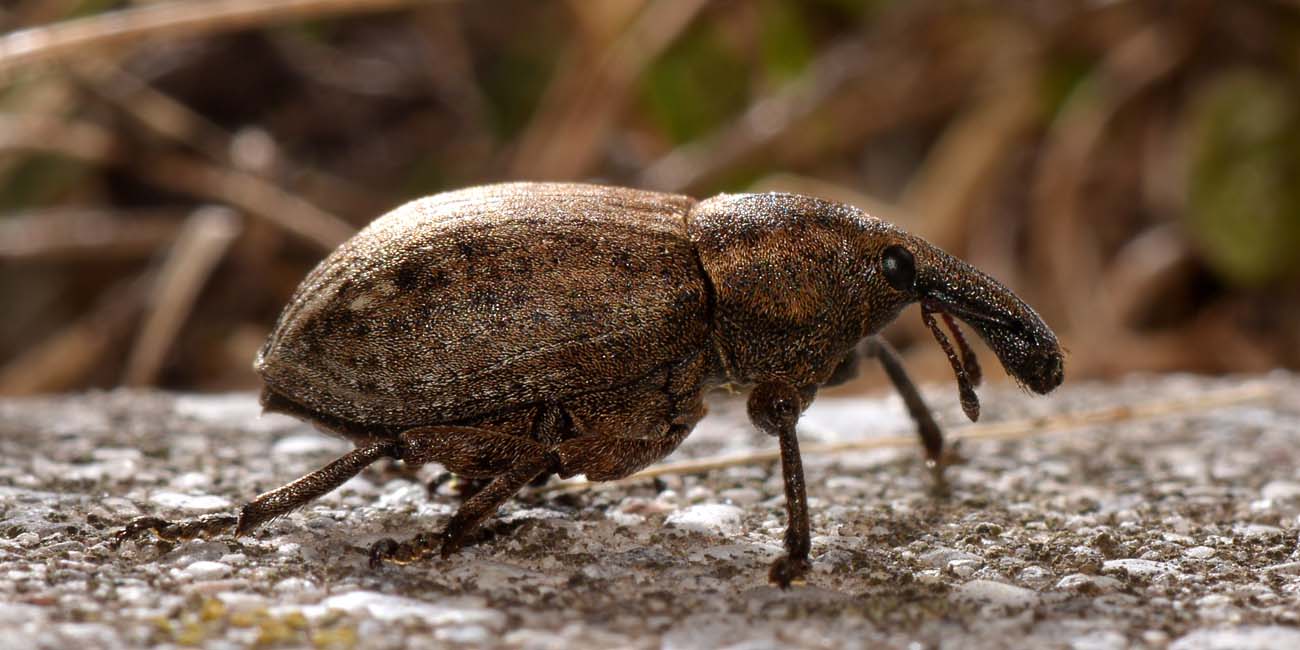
[905, 267]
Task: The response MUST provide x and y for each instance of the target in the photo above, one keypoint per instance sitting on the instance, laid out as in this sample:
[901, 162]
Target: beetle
[522, 330]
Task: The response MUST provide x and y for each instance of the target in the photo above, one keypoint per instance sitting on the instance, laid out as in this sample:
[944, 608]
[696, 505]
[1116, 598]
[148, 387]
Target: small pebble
[997, 593]
[1139, 567]
[1087, 583]
[205, 570]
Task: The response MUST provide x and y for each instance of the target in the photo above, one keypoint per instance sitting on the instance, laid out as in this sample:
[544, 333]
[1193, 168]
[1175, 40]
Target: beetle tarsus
[175, 531]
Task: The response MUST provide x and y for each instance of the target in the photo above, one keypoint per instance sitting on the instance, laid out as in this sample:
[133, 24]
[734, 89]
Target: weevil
[516, 331]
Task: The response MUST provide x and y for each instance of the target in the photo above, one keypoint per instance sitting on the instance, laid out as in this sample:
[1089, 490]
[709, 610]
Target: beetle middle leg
[510, 461]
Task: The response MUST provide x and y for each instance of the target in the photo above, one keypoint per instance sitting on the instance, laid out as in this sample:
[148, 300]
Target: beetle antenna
[968, 358]
[970, 402]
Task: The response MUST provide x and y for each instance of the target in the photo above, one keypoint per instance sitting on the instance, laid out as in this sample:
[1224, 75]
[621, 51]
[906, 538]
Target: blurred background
[170, 171]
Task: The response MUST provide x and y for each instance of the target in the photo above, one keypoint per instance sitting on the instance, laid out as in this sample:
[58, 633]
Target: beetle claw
[939, 486]
[382, 551]
[787, 570]
[389, 550]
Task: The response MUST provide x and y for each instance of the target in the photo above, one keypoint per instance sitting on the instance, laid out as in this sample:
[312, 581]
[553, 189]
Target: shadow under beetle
[514, 331]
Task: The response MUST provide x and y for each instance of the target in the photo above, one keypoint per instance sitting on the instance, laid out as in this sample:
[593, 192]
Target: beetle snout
[1023, 343]
[1042, 372]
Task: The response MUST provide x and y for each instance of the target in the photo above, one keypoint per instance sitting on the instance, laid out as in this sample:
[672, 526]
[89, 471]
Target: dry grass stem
[197, 250]
[70, 234]
[582, 105]
[169, 20]
[248, 192]
[968, 157]
[67, 357]
[1009, 430]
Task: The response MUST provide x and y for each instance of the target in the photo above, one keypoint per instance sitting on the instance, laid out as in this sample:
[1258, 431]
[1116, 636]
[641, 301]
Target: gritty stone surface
[1175, 532]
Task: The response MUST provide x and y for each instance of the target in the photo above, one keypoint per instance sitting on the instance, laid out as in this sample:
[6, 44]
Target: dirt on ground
[1177, 531]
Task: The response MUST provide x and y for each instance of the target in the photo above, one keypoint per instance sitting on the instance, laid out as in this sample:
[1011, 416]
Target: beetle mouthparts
[966, 367]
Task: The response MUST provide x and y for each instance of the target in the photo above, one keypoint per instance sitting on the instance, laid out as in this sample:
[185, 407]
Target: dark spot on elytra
[622, 260]
[342, 322]
[408, 275]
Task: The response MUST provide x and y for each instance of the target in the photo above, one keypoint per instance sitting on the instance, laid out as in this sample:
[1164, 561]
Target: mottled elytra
[514, 331]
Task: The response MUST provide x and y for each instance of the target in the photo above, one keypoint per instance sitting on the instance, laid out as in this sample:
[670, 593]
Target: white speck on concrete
[384, 607]
[1256, 530]
[1139, 567]
[308, 444]
[941, 558]
[1199, 552]
[18, 613]
[1084, 582]
[1035, 576]
[742, 496]
[468, 634]
[190, 502]
[1286, 568]
[1241, 638]
[964, 568]
[1100, 640]
[711, 518]
[1281, 491]
[204, 570]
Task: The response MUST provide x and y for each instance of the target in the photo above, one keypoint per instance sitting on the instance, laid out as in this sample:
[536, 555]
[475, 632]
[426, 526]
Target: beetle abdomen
[490, 299]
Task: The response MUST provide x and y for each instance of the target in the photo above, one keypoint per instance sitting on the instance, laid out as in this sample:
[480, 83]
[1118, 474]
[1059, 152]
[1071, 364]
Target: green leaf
[786, 41]
[696, 85]
[1244, 185]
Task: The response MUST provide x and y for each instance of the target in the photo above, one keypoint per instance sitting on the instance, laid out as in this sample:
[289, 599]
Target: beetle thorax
[787, 307]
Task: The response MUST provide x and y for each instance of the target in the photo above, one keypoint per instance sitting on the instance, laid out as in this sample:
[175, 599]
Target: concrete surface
[1177, 532]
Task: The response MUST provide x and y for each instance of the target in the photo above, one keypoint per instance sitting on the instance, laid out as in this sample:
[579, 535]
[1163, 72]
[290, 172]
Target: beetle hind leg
[265, 507]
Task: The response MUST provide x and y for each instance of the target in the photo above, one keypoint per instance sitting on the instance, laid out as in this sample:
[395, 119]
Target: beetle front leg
[937, 457]
[774, 409]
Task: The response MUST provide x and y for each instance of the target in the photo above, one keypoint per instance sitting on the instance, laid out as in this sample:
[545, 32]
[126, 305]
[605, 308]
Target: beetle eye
[899, 268]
